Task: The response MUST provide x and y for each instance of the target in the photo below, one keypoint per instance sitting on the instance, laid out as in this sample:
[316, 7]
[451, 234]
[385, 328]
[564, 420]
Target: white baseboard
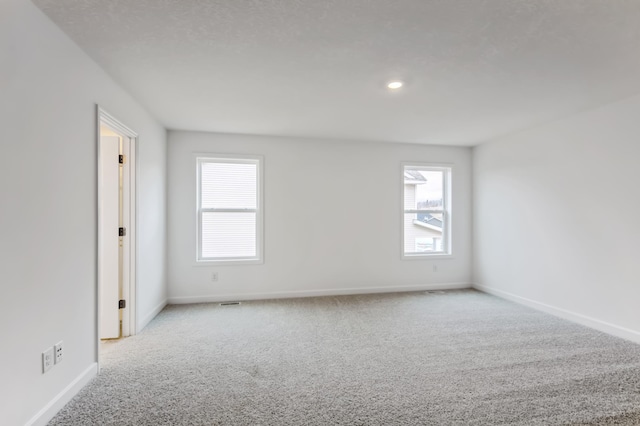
[585, 320]
[313, 293]
[60, 400]
[151, 315]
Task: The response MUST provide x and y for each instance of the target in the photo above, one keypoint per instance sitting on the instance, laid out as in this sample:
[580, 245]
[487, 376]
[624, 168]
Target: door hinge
[122, 232]
[122, 159]
[122, 304]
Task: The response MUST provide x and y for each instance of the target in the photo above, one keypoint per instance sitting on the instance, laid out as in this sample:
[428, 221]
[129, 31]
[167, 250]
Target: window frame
[447, 246]
[258, 160]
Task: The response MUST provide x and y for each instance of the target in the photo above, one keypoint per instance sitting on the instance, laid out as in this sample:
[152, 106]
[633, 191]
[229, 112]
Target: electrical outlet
[435, 268]
[58, 349]
[47, 360]
[214, 277]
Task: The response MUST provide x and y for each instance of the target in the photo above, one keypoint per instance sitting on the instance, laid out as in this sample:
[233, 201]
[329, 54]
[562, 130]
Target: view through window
[426, 210]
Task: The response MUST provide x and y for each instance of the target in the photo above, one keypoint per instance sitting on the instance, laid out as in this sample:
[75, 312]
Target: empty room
[297, 212]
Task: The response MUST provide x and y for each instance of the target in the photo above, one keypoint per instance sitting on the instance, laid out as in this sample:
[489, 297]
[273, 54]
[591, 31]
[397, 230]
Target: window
[229, 209]
[426, 221]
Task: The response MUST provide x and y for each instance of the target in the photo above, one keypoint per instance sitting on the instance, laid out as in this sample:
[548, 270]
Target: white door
[109, 250]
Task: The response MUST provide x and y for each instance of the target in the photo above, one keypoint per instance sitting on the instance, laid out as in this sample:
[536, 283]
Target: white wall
[332, 219]
[557, 217]
[48, 92]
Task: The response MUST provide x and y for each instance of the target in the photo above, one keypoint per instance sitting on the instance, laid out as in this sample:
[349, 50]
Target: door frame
[129, 323]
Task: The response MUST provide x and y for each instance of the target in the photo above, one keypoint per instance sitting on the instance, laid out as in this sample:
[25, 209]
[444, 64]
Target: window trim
[258, 160]
[446, 210]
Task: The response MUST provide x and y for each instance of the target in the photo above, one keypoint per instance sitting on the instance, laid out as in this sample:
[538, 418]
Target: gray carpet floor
[444, 358]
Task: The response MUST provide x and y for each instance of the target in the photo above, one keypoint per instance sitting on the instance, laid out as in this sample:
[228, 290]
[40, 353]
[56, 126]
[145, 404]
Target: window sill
[435, 256]
[240, 262]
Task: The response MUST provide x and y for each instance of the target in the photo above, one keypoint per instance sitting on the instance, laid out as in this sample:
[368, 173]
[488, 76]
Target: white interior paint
[48, 249]
[331, 219]
[129, 241]
[556, 213]
[108, 280]
[473, 69]
[111, 126]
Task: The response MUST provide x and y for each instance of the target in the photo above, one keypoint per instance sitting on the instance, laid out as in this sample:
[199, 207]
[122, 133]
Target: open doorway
[116, 229]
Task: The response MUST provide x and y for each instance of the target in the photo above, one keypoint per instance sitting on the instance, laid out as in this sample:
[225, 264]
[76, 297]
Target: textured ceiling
[474, 69]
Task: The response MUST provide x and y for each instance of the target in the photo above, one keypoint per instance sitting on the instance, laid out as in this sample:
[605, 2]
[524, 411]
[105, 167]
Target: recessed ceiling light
[394, 85]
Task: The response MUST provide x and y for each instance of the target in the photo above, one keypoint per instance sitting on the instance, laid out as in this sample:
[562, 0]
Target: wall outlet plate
[214, 277]
[47, 360]
[58, 350]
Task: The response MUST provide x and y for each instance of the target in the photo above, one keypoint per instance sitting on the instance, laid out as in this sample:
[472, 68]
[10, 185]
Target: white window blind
[229, 214]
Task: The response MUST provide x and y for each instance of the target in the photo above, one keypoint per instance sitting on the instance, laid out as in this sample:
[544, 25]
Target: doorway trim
[129, 322]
